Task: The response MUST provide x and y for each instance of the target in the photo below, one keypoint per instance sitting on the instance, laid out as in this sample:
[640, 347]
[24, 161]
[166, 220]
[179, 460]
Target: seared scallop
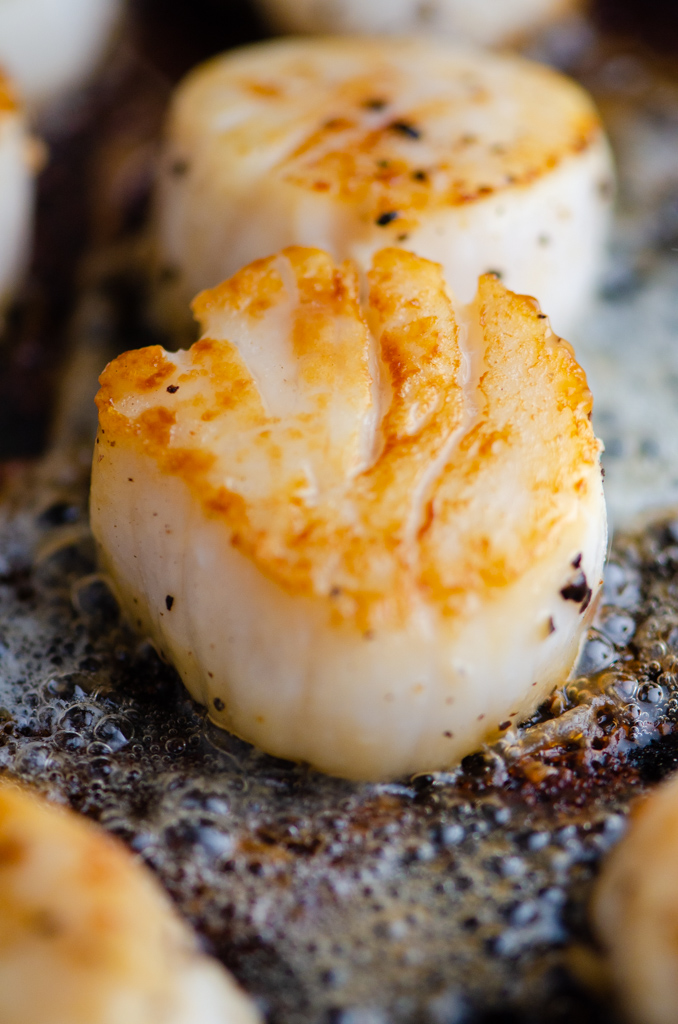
[476, 161]
[17, 159]
[365, 532]
[635, 910]
[51, 46]
[88, 937]
[483, 22]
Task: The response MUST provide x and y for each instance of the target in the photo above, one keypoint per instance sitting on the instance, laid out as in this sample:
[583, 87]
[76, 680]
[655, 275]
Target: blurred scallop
[476, 161]
[635, 910]
[88, 937]
[366, 531]
[50, 47]
[482, 22]
[18, 157]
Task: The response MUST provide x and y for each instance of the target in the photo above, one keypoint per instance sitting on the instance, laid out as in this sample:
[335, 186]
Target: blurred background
[94, 189]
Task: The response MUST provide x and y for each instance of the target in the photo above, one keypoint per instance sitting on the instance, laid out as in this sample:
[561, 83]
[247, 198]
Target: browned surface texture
[8, 100]
[441, 900]
[362, 140]
[478, 525]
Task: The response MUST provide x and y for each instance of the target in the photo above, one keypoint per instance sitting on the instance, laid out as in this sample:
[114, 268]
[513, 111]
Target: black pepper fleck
[405, 128]
[577, 590]
[386, 218]
[169, 601]
[173, 388]
[219, 704]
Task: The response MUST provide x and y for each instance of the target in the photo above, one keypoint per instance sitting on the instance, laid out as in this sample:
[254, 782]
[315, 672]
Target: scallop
[17, 165]
[51, 46]
[88, 937]
[482, 22]
[365, 531]
[476, 161]
[635, 910]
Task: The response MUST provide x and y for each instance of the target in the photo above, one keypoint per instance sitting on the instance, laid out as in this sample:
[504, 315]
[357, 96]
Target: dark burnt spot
[337, 124]
[577, 590]
[576, 561]
[173, 388]
[179, 168]
[169, 601]
[386, 218]
[475, 765]
[419, 176]
[423, 782]
[46, 924]
[218, 704]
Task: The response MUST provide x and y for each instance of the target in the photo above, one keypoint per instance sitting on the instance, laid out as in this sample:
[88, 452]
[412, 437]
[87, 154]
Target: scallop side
[88, 937]
[635, 910]
[364, 532]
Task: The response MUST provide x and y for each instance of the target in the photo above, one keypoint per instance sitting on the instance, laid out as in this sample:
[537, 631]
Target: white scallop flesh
[476, 161]
[635, 910]
[50, 47]
[481, 22]
[366, 532]
[16, 193]
[88, 937]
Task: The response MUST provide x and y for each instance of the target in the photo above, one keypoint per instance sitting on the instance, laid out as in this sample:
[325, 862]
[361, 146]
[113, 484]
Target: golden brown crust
[430, 516]
[8, 97]
[77, 897]
[359, 166]
[367, 145]
[493, 550]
